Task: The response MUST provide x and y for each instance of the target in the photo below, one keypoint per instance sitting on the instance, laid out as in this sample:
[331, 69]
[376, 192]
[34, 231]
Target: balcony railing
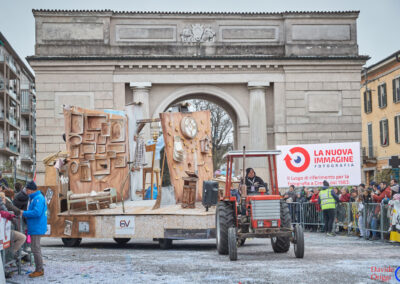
[24, 132]
[369, 153]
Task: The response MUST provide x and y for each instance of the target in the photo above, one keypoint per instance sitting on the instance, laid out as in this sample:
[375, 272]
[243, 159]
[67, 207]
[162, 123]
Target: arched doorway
[215, 95]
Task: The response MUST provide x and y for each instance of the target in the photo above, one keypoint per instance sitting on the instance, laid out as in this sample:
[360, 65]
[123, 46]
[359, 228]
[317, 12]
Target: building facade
[17, 114]
[284, 78]
[380, 102]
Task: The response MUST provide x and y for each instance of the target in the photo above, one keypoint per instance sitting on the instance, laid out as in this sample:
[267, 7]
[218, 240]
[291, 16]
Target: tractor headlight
[274, 223]
[260, 224]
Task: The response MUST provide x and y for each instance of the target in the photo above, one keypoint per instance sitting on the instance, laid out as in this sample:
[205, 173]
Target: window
[397, 128]
[384, 131]
[396, 90]
[367, 101]
[370, 141]
[382, 97]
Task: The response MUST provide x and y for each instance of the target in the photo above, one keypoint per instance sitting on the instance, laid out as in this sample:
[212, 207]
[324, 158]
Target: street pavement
[340, 259]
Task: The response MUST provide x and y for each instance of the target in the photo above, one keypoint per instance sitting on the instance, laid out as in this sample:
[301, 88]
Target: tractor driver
[253, 182]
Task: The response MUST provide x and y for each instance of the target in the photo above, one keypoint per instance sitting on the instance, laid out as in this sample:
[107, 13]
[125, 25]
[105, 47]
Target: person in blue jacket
[36, 218]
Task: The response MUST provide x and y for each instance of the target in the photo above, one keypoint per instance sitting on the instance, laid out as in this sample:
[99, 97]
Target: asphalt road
[339, 259]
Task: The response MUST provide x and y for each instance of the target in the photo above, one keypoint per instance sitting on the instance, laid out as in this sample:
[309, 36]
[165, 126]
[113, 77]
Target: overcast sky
[378, 24]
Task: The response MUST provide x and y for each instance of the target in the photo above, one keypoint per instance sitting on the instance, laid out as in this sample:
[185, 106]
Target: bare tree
[221, 129]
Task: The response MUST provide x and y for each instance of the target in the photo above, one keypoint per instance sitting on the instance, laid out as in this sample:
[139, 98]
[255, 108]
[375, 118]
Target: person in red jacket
[314, 200]
[345, 195]
[385, 192]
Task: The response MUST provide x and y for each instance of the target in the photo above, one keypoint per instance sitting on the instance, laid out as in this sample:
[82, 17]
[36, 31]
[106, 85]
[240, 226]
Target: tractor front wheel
[224, 219]
[298, 241]
[282, 244]
[232, 243]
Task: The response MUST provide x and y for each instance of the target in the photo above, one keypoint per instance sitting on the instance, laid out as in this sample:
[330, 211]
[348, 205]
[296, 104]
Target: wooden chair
[152, 171]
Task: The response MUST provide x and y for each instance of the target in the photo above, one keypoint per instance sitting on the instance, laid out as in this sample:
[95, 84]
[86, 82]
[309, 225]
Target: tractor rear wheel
[232, 243]
[282, 244]
[224, 219]
[298, 241]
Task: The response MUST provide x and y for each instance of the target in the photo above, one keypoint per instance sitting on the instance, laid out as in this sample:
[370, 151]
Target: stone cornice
[211, 13]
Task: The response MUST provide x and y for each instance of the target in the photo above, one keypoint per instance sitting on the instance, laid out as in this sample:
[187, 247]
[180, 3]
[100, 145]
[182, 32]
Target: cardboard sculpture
[190, 128]
[96, 161]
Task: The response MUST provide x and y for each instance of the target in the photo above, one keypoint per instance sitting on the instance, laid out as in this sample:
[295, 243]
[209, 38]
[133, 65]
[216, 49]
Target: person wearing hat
[3, 182]
[36, 217]
[327, 199]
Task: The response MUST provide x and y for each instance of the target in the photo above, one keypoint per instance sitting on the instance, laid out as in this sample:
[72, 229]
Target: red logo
[298, 161]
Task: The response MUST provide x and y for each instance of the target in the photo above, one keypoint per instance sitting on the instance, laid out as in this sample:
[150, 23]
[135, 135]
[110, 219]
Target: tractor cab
[258, 214]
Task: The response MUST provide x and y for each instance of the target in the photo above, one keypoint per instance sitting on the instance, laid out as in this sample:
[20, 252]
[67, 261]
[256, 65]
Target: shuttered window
[384, 132]
[367, 101]
[396, 90]
[397, 128]
[382, 95]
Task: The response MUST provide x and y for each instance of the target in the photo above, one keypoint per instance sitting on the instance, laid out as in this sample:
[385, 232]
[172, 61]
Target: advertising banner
[309, 165]
[7, 234]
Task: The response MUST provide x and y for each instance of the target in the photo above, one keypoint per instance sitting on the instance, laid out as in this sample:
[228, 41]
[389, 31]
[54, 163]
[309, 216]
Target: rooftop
[107, 11]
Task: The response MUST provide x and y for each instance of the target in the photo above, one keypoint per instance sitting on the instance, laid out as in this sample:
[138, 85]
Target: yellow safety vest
[327, 200]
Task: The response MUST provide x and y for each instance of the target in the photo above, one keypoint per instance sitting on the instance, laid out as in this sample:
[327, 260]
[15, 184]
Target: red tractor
[257, 215]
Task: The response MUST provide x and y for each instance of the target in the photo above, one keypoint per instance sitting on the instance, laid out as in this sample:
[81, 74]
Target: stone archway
[213, 94]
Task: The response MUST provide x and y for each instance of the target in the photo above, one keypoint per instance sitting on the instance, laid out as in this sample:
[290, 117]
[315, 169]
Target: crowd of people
[24, 207]
[327, 206]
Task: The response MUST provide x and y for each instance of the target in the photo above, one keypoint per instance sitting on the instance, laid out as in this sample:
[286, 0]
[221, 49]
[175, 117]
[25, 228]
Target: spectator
[300, 199]
[309, 193]
[315, 218]
[385, 192]
[394, 186]
[291, 194]
[328, 198]
[290, 197]
[3, 182]
[345, 195]
[353, 194]
[17, 187]
[361, 221]
[17, 238]
[21, 199]
[36, 216]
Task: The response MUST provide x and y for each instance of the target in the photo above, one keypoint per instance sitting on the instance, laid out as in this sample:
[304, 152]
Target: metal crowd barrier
[375, 218]
[7, 254]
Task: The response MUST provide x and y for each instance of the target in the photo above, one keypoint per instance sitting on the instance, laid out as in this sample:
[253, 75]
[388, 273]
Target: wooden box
[189, 190]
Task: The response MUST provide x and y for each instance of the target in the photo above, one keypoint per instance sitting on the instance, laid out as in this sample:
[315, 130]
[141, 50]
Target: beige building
[17, 114]
[380, 95]
[284, 78]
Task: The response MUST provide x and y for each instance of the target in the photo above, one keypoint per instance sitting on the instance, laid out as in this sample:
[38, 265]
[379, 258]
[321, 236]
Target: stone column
[258, 116]
[258, 126]
[140, 100]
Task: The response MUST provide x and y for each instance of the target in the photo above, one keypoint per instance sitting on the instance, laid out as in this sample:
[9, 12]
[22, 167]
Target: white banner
[311, 164]
[124, 225]
[7, 234]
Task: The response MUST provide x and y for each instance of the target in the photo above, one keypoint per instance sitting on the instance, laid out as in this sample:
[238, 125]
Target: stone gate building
[284, 78]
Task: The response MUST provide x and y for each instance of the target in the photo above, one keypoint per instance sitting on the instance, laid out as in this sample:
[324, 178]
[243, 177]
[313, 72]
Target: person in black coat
[253, 182]
[21, 200]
